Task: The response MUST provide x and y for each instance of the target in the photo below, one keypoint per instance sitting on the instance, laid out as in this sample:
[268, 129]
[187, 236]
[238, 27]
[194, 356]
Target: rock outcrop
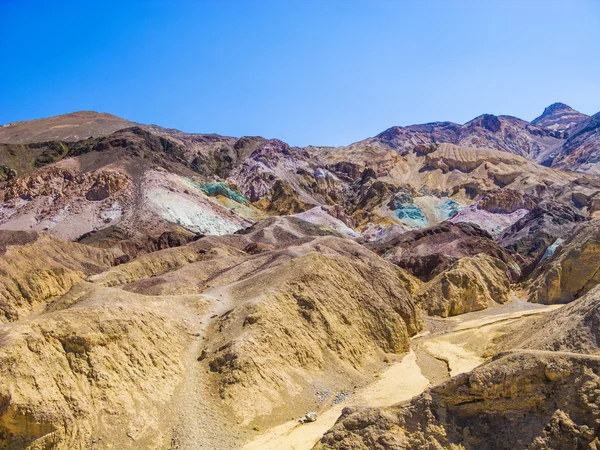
[470, 284]
[534, 400]
[573, 269]
[505, 201]
[531, 235]
[426, 253]
[580, 150]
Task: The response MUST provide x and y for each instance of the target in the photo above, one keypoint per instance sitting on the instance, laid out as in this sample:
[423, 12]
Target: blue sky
[307, 72]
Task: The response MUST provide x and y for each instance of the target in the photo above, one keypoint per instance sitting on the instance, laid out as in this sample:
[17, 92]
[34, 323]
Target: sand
[400, 382]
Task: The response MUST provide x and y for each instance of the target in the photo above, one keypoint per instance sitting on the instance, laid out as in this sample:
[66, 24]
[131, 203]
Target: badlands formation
[435, 286]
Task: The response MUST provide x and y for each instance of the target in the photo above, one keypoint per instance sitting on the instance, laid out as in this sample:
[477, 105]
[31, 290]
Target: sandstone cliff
[471, 284]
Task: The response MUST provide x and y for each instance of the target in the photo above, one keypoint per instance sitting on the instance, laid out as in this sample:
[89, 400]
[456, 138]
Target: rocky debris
[322, 395]
[94, 186]
[106, 185]
[572, 271]
[531, 235]
[470, 284]
[520, 400]
[7, 174]
[341, 397]
[426, 253]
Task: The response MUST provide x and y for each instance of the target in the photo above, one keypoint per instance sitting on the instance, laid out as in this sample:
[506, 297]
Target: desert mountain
[505, 133]
[104, 359]
[580, 150]
[67, 127]
[573, 328]
[147, 179]
[560, 137]
[164, 289]
[559, 117]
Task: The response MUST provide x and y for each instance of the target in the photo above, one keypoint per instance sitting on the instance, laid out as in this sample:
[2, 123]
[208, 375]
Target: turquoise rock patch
[447, 209]
[411, 215]
[215, 189]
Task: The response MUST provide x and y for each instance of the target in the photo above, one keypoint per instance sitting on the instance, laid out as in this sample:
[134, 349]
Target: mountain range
[433, 286]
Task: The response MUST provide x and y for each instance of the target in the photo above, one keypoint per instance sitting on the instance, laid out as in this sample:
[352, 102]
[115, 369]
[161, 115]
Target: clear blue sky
[307, 72]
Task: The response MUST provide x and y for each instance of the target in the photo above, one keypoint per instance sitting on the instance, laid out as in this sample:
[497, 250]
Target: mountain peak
[72, 126]
[558, 106]
[559, 117]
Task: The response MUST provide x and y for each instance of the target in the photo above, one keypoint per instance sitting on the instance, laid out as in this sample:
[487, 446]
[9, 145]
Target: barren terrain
[434, 286]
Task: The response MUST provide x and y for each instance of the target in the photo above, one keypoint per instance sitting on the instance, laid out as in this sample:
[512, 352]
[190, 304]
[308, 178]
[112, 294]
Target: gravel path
[201, 423]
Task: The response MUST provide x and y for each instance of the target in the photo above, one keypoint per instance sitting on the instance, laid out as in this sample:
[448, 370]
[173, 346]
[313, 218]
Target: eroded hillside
[170, 290]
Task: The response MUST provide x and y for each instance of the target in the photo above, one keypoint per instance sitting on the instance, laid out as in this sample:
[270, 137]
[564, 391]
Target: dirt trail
[444, 350]
[401, 382]
[200, 423]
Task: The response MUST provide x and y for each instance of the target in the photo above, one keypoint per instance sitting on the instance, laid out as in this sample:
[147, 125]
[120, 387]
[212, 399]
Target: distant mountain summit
[559, 117]
[65, 127]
